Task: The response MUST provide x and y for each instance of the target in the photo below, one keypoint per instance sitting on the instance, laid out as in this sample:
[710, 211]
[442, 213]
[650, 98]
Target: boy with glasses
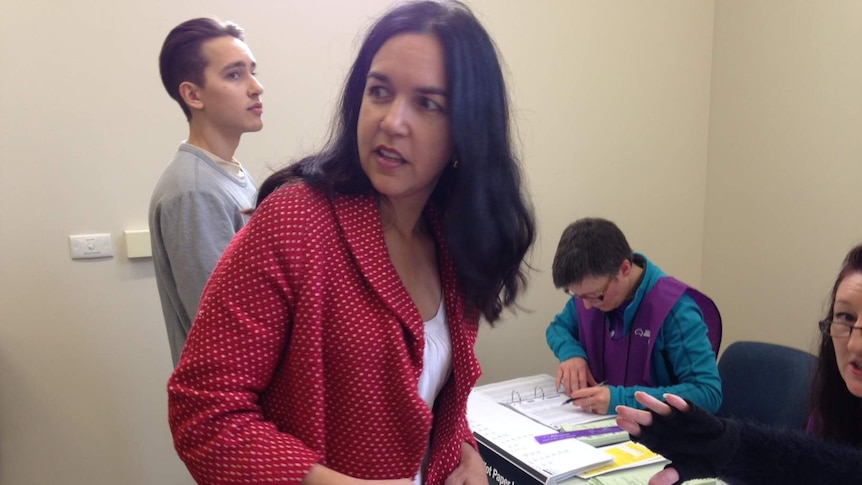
[628, 325]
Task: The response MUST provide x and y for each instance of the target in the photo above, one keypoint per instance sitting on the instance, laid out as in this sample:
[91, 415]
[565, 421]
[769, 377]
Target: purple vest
[627, 361]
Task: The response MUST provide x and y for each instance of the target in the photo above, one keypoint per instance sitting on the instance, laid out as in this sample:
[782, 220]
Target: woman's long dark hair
[837, 412]
[488, 224]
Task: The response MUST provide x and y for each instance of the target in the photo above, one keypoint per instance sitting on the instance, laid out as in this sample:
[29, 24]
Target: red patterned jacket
[307, 349]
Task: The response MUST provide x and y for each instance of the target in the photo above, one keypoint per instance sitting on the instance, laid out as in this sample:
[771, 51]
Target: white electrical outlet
[89, 246]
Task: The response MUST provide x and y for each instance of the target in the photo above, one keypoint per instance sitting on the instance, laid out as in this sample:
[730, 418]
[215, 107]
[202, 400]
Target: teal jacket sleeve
[683, 362]
[562, 334]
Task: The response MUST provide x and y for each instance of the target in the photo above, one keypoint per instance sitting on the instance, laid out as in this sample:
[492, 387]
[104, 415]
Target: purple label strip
[548, 438]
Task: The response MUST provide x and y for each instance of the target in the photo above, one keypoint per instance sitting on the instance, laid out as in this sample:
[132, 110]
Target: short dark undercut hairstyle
[589, 247]
[182, 59]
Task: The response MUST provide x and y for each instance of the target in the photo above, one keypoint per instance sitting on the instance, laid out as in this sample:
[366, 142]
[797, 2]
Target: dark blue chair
[766, 383]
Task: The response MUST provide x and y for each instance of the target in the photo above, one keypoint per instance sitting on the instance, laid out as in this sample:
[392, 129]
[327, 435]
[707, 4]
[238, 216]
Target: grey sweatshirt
[194, 213]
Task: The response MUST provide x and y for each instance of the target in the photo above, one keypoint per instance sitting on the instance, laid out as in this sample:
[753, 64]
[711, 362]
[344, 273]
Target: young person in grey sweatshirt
[197, 205]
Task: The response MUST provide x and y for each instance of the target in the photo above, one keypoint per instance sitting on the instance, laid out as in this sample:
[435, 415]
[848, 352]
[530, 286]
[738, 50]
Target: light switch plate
[138, 244]
[90, 246]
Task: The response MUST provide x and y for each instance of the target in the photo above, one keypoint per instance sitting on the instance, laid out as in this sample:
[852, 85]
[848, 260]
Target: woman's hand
[321, 475]
[471, 470]
[631, 419]
[574, 374]
[698, 444]
[668, 476]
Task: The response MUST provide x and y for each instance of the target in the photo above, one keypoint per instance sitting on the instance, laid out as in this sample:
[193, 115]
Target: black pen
[569, 400]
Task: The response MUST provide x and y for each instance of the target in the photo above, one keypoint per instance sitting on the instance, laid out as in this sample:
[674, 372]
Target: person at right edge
[628, 326]
[701, 445]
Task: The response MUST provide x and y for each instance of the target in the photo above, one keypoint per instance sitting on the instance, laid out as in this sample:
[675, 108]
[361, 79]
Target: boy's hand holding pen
[591, 399]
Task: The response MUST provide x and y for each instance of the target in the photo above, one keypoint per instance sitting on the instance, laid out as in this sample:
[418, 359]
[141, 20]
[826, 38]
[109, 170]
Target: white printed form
[538, 398]
[551, 411]
[516, 434]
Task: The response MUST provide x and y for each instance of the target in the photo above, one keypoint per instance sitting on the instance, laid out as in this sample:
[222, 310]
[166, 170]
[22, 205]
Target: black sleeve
[698, 444]
[701, 445]
[773, 456]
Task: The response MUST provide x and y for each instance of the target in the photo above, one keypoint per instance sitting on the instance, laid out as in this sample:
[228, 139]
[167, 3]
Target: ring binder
[507, 443]
[538, 398]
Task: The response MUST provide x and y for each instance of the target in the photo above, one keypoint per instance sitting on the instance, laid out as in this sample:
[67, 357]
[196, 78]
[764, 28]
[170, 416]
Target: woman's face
[848, 350]
[403, 131]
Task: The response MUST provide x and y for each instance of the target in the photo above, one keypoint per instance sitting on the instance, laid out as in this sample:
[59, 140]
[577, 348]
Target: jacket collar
[359, 219]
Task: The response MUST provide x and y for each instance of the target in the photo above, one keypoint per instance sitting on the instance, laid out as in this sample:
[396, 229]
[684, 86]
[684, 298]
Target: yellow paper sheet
[626, 455]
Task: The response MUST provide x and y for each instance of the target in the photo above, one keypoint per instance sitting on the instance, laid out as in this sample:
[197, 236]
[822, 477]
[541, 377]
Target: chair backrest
[766, 383]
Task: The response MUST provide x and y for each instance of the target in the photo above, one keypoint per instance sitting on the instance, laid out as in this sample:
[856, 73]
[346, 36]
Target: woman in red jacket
[334, 341]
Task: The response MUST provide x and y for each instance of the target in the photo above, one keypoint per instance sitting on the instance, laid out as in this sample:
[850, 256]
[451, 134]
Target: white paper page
[537, 398]
[551, 411]
[516, 434]
[515, 390]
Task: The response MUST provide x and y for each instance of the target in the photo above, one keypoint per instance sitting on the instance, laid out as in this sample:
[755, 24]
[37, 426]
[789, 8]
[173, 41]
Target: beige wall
[782, 205]
[612, 103]
[729, 157]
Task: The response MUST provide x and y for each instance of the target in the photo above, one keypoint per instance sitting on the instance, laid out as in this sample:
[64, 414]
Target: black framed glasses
[835, 329]
[598, 298]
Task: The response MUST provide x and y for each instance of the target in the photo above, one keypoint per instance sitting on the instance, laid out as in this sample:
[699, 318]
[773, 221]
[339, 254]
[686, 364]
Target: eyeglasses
[835, 329]
[599, 297]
